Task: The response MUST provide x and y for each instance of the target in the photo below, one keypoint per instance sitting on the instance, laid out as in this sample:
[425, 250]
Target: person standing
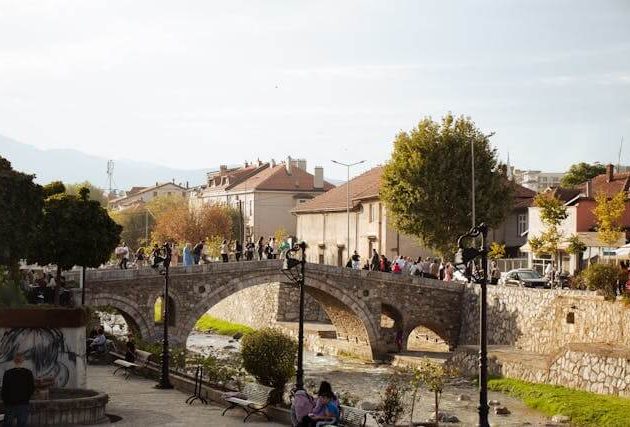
[123, 252]
[140, 256]
[249, 250]
[224, 251]
[197, 250]
[356, 261]
[260, 248]
[238, 250]
[495, 274]
[18, 386]
[375, 261]
[187, 255]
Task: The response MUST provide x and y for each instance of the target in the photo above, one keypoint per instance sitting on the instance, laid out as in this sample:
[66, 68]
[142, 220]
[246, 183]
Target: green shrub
[391, 408]
[602, 278]
[269, 356]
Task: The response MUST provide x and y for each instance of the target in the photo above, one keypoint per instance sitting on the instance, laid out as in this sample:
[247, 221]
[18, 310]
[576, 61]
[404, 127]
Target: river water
[366, 381]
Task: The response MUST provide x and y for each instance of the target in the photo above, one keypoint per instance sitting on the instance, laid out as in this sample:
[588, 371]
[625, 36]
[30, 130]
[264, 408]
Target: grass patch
[584, 408]
[208, 323]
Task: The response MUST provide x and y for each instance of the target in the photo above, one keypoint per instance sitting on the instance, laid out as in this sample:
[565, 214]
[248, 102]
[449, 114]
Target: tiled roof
[235, 175]
[364, 186]
[523, 197]
[564, 194]
[620, 182]
[134, 190]
[277, 178]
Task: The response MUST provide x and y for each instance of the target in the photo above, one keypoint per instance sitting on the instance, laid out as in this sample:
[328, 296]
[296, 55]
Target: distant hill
[73, 166]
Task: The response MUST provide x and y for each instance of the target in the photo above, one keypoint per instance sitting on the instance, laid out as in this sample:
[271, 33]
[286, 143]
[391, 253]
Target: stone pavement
[139, 404]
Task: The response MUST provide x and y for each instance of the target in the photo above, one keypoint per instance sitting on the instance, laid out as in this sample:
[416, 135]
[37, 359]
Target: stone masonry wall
[264, 305]
[597, 368]
[542, 320]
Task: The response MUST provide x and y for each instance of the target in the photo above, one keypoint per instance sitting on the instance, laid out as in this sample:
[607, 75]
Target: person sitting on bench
[99, 343]
[130, 353]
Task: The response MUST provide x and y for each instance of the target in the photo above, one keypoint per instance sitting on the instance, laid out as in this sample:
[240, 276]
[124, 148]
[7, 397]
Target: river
[366, 381]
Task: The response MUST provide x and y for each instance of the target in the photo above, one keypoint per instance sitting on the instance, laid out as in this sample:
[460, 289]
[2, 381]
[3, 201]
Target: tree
[95, 192]
[54, 187]
[576, 247]
[434, 376]
[608, 213]
[426, 184]
[497, 250]
[137, 224]
[581, 172]
[74, 231]
[182, 224]
[21, 202]
[552, 213]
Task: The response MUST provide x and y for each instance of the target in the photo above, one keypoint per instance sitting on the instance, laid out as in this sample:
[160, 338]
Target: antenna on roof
[619, 158]
[110, 174]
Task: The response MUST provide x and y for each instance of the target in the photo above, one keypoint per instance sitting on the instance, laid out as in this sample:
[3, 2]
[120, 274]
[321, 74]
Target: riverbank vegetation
[207, 323]
[584, 408]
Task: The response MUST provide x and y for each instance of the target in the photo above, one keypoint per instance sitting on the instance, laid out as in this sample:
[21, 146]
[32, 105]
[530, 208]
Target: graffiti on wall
[45, 352]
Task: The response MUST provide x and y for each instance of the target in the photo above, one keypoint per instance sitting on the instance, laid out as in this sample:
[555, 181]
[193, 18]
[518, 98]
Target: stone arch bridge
[354, 300]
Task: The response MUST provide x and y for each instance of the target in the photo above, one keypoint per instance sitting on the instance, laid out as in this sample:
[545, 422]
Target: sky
[195, 84]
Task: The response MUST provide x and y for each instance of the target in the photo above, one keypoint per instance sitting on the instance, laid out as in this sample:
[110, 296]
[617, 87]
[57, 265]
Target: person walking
[495, 274]
[224, 250]
[140, 257]
[197, 250]
[18, 386]
[123, 253]
[356, 261]
[249, 250]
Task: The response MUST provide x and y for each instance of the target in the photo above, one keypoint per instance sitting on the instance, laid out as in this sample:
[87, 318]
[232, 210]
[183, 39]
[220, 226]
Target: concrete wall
[50, 352]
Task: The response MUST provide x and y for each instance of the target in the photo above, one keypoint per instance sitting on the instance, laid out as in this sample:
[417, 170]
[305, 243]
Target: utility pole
[348, 165]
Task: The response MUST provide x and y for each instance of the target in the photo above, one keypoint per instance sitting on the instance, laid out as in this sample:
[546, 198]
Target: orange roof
[620, 182]
[277, 178]
[523, 197]
[364, 186]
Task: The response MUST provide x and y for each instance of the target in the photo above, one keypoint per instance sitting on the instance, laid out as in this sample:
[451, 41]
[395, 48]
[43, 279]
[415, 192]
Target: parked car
[525, 277]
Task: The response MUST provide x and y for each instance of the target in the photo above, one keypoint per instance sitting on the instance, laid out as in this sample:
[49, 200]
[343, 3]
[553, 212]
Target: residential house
[323, 224]
[265, 193]
[513, 231]
[537, 180]
[581, 221]
[140, 195]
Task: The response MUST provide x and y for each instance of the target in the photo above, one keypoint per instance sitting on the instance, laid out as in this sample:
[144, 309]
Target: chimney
[301, 163]
[610, 171]
[222, 168]
[589, 188]
[186, 184]
[246, 164]
[156, 183]
[273, 163]
[258, 163]
[288, 165]
[318, 178]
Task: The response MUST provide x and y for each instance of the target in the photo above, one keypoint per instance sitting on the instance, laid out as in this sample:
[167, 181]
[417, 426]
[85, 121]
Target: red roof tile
[364, 186]
[277, 178]
[620, 182]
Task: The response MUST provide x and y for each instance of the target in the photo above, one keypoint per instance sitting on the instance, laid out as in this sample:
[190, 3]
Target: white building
[537, 180]
[139, 195]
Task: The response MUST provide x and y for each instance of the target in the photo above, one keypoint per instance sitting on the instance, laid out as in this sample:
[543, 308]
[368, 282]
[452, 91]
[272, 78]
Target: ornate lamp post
[297, 276]
[165, 382]
[464, 256]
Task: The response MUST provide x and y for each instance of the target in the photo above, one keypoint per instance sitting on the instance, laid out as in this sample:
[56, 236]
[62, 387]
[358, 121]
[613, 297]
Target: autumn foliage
[180, 223]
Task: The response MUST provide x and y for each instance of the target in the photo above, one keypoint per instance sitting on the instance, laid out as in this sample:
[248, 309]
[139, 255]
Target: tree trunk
[57, 284]
[413, 405]
[437, 409]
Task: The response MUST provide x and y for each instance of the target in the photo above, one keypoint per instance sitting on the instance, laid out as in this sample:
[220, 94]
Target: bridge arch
[354, 320]
[136, 318]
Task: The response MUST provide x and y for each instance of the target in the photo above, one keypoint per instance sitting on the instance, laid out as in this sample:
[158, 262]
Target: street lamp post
[288, 269]
[466, 255]
[348, 166]
[165, 382]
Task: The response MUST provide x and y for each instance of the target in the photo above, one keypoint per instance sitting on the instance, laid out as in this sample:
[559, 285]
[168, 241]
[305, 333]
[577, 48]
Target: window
[251, 207]
[321, 258]
[168, 193]
[371, 212]
[183, 194]
[521, 224]
[301, 201]
[155, 194]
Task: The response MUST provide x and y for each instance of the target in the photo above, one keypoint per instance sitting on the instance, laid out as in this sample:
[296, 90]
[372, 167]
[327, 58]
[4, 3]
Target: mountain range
[72, 166]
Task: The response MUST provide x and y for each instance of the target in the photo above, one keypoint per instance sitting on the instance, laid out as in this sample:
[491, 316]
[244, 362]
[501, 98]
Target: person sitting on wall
[18, 386]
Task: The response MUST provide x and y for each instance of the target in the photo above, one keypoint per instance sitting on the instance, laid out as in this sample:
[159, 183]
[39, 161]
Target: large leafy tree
[75, 231]
[581, 172]
[137, 224]
[552, 213]
[427, 183]
[182, 224]
[95, 192]
[608, 213]
[21, 202]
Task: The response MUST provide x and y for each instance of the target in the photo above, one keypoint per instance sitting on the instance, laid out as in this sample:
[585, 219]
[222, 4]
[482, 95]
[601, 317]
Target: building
[537, 180]
[513, 231]
[581, 220]
[323, 224]
[140, 195]
[265, 193]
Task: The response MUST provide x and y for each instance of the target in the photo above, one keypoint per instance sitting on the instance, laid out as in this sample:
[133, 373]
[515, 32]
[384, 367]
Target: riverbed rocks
[444, 417]
[561, 419]
[494, 403]
[366, 405]
[463, 398]
[501, 410]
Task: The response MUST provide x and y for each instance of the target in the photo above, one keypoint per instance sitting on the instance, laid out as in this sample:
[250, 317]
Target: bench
[142, 359]
[352, 417]
[254, 398]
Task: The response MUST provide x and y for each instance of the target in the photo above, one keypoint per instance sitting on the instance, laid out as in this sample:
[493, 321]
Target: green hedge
[584, 408]
[222, 327]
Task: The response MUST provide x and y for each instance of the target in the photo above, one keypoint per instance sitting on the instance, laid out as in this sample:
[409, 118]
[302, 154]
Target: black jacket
[17, 386]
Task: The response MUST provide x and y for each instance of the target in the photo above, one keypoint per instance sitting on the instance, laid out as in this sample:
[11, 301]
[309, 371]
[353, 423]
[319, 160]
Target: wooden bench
[352, 417]
[142, 359]
[254, 398]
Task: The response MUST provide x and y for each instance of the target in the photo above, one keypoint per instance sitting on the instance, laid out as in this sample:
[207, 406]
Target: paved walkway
[139, 404]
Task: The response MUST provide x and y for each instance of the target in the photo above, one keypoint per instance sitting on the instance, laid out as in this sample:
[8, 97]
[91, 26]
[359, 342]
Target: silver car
[525, 277]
